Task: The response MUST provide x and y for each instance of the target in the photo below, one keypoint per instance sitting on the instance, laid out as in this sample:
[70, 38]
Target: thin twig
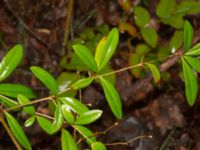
[10, 133]
[68, 23]
[130, 141]
[30, 103]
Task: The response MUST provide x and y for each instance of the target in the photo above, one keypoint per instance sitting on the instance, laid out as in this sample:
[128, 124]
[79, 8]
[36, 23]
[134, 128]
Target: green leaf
[46, 78]
[141, 16]
[18, 131]
[24, 100]
[7, 101]
[194, 51]
[107, 49]
[67, 114]
[86, 133]
[88, 117]
[188, 34]
[194, 62]
[188, 7]
[174, 21]
[30, 121]
[165, 8]
[135, 59]
[10, 61]
[98, 146]
[45, 124]
[12, 90]
[142, 49]
[74, 104]
[112, 97]
[82, 83]
[86, 56]
[58, 119]
[150, 36]
[67, 140]
[176, 40]
[191, 86]
[155, 72]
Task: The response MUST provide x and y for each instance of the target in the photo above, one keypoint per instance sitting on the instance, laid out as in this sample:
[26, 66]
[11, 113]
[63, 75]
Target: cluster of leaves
[168, 12]
[68, 110]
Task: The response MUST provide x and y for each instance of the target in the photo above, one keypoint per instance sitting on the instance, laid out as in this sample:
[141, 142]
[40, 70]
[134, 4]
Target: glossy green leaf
[191, 85]
[188, 7]
[74, 104]
[188, 34]
[30, 121]
[12, 90]
[194, 62]
[98, 146]
[141, 16]
[7, 101]
[18, 131]
[155, 72]
[88, 117]
[105, 52]
[45, 124]
[24, 100]
[86, 133]
[165, 8]
[86, 56]
[150, 36]
[82, 83]
[67, 114]
[112, 97]
[58, 119]
[46, 78]
[135, 59]
[194, 51]
[176, 41]
[67, 141]
[10, 61]
[174, 21]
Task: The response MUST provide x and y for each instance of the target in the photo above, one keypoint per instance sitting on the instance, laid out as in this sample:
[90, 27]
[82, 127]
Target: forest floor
[148, 109]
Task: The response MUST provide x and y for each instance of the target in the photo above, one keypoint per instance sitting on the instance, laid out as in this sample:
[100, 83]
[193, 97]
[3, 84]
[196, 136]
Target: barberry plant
[70, 111]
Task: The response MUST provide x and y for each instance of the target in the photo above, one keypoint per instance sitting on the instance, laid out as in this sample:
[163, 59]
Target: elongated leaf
[82, 83]
[188, 34]
[188, 7]
[7, 101]
[174, 21]
[150, 36]
[74, 104]
[86, 133]
[18, 131]
[98, 146]
[165, 8]
[24, 100]
[107, 49]
[155, 72]
[30, 121]
[194, 62]
[58, 120]
[86, 56]
[10, 61]
[176, 40]
[67, 114]
[141, 16]
[112, 97]
[45, 124]
[12, 90]
[194, 51]
[46, 78]
[68, 142]
[191, 86]
[88, 117]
